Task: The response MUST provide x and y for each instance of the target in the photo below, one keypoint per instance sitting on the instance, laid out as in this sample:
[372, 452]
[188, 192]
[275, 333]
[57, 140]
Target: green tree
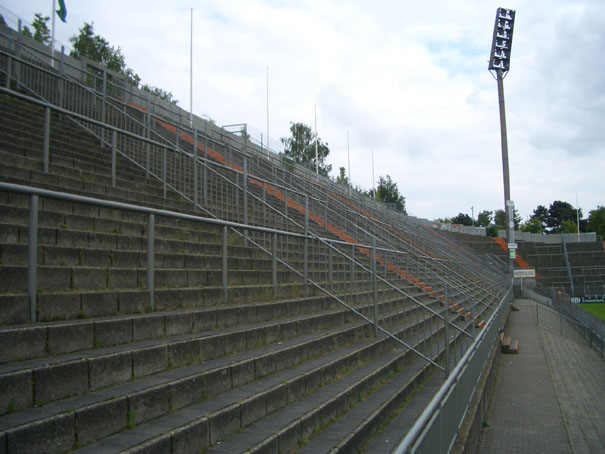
[500, 219]
[300, 148]
[484, 218]
[463, 219]
[41, 31]
[541, 214]
[596, 221]
[533, 225]
[162, 94]
[342, 177]
[558, 212]
[388, 193]
[93, 46]
[569, 226]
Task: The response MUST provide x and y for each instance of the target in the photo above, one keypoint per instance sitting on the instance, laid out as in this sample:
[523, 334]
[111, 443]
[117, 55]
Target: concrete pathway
[548, 398]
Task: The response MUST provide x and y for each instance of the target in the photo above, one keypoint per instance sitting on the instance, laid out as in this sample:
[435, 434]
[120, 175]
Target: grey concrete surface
[549, 397]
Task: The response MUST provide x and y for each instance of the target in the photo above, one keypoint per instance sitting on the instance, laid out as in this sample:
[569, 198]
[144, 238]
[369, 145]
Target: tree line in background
[93, 46]
[559, 217]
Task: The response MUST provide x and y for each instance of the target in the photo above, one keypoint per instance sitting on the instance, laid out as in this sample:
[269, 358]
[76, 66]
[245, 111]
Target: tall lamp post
[499, 62]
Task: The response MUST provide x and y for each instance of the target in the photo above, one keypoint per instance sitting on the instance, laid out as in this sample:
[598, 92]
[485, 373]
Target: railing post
[151, 260]
[274, 265]
[62, 75]
[32, 257]
[195, 164]
[330, 272]
[9, 71]
[326, 216]
[224, 264]
[446, 332]
[306, 247]
[147, 144]
[46, 149]
[374, 287]
[114, 146]
[205, 174]
[164, 172]
[245, 194]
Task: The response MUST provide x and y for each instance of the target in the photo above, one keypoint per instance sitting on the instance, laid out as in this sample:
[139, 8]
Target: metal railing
[134, 135]
[436, 429]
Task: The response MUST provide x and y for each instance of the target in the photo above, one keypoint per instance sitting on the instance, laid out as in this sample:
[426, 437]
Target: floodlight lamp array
[502, 41]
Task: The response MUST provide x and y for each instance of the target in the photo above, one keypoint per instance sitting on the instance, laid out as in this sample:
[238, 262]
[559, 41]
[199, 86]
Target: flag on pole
[62, 11]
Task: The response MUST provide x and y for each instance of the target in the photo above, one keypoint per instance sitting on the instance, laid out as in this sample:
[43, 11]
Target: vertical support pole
[326, 216]
[274, 265]
[245, 194]
[195, 164]
[505, 171]
[147, 144]
[537, 320]
[151, 260]
[285, 201]
[62, 75]
[224, 264]
[114, 147]
[306, 248]
[9, 70]
[205, 174]
[264, 203]
[374, 287]
[103, 102]
[32, 257]
[46, 149]
[164, 176]
[446, 333]
[330, 273]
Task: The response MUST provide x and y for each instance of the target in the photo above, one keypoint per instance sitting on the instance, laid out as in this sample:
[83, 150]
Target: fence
[559, 314]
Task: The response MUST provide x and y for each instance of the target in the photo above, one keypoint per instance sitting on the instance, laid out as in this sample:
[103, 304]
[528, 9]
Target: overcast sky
[406, 79]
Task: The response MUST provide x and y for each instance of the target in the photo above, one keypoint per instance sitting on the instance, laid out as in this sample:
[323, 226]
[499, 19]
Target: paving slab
[525, 415]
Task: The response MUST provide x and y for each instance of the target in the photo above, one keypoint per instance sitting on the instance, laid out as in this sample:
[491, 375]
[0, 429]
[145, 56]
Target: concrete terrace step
[158, 395]
[277, 394]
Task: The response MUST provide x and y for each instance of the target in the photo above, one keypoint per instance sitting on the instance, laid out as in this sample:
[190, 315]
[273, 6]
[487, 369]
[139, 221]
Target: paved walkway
[550, 397]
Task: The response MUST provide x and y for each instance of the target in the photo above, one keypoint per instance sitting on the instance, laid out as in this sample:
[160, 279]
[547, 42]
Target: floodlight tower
[499, 62]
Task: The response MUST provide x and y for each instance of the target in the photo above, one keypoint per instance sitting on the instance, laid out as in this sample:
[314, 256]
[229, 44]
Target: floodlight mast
[499, 62]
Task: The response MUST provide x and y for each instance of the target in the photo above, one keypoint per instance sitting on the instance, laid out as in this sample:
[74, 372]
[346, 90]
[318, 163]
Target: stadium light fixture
[499, 61]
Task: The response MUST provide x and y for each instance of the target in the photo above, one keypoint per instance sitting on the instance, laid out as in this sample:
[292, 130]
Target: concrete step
[152, 398]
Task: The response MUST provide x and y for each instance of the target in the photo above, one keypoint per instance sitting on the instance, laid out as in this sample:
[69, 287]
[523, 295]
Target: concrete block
[101, 258]
[14, 308]
[192, 437]
[183, 353]
[178, 323]
[113, 332]
[212, 347]
[149, 360]
[133, 301]
[100, 420]
[264, 365]
[196, 277]
[55, 434]
[22, 343]
[70, 238]
[13, 279]
[61, 380]
[60, 256]
[235, 342]
[289, 436]
[267, 446]
[99, 304]
[65, 338]
[203, 320]
[158, 445]
[17, 391]
[127, 259]
[110, 369]
[147, 327]
[242, 373]
[59, 306]
[224, 422]
[253, 409]
[122, 278]
[277, 398]
[216, 382]
[186, 391]
[89, 278]
[227, 317]
[148, 404]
